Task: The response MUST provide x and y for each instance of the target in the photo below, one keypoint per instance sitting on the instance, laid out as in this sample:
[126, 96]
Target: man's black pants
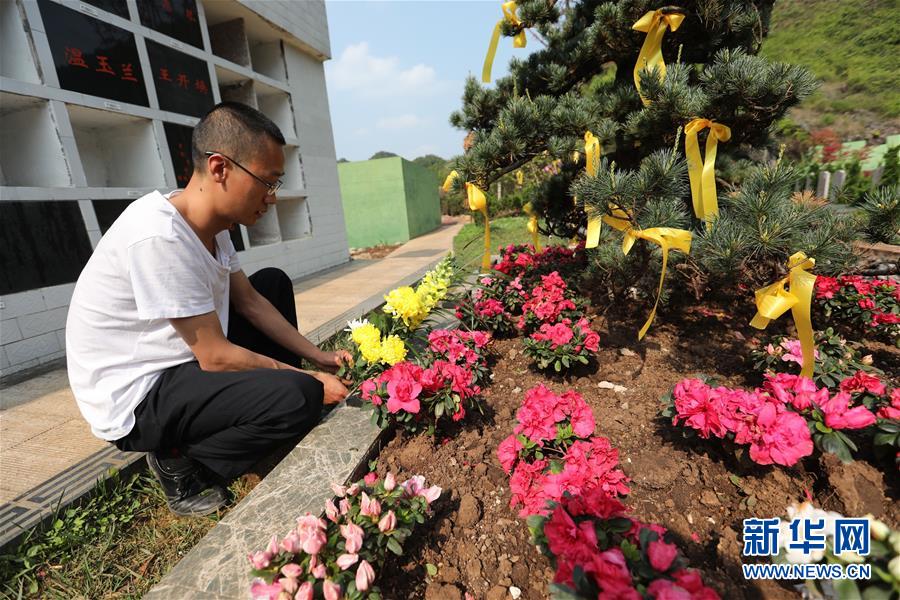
[229, 420]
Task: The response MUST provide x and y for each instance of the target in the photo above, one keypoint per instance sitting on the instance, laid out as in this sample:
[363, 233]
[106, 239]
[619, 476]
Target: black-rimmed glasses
[271, 188]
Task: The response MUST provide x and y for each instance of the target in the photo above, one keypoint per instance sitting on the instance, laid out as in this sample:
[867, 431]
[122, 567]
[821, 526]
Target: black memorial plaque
[93, 57]
[178, 138]
[182, 81]
[41, 244]
[107, 211]
[174, 18]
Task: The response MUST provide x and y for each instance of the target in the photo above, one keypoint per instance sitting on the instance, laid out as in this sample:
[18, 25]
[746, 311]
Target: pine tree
[583, 80]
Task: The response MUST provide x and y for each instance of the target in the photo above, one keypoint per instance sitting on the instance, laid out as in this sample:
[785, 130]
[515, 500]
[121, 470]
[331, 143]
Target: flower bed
[594, 437]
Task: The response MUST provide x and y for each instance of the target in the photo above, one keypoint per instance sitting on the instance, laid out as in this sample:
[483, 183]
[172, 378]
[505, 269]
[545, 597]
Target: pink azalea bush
[618, 557]
[482, 309]
[467, 349]
[835, 359]
[782, 421]
[549, 302]
[562, 345]
[522, 261]
[553, 451]
[337, 556]
[869, 305]
[418, 398]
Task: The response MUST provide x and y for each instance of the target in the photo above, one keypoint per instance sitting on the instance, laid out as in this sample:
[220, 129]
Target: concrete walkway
[47, 451]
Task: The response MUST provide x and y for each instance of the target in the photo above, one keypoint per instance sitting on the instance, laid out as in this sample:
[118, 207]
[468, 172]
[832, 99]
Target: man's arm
[203, 334]
[265, 317]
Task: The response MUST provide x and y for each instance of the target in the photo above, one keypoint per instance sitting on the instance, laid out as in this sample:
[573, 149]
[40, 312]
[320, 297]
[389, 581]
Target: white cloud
[407, 121]
[357, 69]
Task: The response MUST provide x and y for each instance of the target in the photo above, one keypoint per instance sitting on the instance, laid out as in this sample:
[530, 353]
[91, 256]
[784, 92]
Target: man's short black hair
[234, 129]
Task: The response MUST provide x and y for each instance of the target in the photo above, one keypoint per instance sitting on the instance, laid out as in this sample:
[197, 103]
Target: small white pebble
[690, 518]
[516, 390]
[515, 592]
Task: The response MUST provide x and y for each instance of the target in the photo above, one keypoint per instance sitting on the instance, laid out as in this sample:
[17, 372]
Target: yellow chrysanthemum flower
[393, 350]
[371, 351]
[366, 334]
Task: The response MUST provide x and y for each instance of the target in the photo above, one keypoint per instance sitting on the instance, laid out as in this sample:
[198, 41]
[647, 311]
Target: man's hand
[332, 361]
[335, 390]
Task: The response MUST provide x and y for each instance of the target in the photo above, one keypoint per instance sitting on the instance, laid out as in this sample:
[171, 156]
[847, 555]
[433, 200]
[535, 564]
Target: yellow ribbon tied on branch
[703, 171]
[477, 201]
[665, 237]
[519, 40]
[592, 163]
[773, 301]
[654, 23]
[533, 226]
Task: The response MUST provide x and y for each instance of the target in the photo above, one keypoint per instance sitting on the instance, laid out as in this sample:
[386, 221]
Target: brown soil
[373, 253]
[480, 546]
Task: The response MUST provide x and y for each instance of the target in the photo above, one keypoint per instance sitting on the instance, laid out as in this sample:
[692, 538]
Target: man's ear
[215, 166]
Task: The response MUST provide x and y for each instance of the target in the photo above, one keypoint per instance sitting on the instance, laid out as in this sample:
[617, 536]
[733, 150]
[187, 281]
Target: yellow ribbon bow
[477, 201]
[703, 172]
[664, 237]
[654, 23]
[592, 163]
[773, 301]
[533, 226]
[519, 40]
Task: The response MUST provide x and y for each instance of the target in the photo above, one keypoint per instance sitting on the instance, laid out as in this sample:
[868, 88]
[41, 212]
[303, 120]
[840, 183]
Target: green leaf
[439, 409]
[821, 427]
[432, 569]
[394, 547]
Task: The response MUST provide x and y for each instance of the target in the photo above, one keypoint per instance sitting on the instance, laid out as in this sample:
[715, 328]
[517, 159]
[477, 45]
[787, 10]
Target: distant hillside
[852, 46]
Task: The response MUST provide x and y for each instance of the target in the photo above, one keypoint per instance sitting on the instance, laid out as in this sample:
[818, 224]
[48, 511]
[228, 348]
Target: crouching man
[172, 350]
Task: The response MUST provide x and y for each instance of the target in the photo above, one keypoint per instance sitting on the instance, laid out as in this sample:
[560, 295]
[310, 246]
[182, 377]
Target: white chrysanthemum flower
[351, 325]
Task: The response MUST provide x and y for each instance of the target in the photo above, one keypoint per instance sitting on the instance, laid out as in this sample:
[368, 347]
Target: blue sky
[397, 72]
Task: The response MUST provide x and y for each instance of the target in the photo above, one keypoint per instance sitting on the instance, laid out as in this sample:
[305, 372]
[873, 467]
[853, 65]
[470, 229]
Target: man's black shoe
[188, 493]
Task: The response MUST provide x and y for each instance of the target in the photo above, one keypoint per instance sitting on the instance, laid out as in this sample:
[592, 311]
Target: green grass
[847, 44]
[117, 544]
[468, 245]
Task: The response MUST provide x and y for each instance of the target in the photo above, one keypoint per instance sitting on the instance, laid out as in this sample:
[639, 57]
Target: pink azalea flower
[345, 561]
[777, 436]
[259, 559]
[390, 482]
[508, 452]
[292, 570]
[353, 537]
[291, 543]
[371, 478]
[331, 511]
[388, 522]
[661, 555]
[260, 590]
[892, 411]
[311, 532]
[365, 575]
[339, 490]
[370, 507]
[305, 591]
[862, 382]
[838, 415]
[794, 351]
[331, 590]
[289, 585]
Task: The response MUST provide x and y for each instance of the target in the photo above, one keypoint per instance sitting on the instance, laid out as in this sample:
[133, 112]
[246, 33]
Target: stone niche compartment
[294, 179]
[117, 151]
[16, 54]
[31, 153]
[294, 219]
[227, 36]
[276, 104]
[268, 58]
[236, 87]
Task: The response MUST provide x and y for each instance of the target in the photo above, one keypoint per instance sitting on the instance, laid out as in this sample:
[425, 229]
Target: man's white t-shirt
[149, 267]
